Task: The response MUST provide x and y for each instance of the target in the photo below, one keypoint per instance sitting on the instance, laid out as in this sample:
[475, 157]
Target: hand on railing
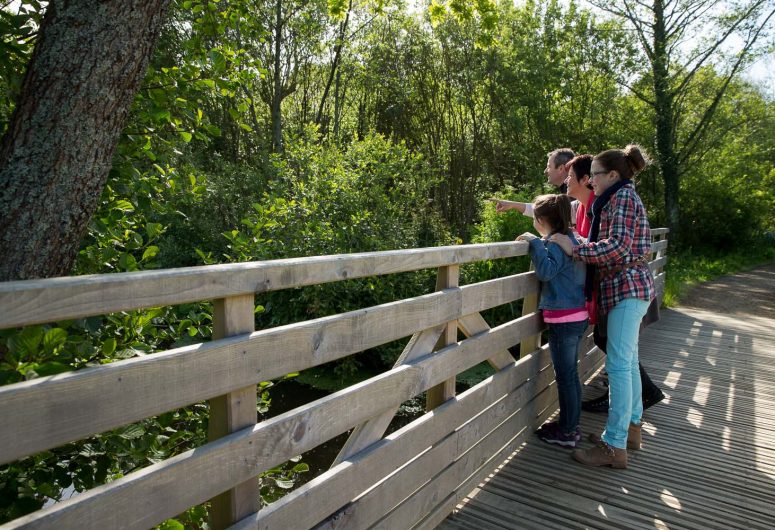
[527, 236]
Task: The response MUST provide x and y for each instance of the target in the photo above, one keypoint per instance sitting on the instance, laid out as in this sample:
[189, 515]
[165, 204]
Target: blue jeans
[625, 405]
[564, 341]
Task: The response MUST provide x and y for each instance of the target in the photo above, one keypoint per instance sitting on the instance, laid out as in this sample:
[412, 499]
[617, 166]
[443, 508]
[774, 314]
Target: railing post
[232, 412]
[530, 305]
[659, 270]
[448, 276]
[660, 253]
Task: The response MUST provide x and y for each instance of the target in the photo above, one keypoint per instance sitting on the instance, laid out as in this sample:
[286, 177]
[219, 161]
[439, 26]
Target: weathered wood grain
[335, 488]
[448, 277]
[149, 496]
[48, 411]
[232, 412]
[36, 301]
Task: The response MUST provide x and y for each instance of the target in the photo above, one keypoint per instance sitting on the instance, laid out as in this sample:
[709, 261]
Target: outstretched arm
[525, 208]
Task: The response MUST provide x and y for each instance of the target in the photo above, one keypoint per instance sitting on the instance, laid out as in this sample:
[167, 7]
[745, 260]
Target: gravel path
[745, 293]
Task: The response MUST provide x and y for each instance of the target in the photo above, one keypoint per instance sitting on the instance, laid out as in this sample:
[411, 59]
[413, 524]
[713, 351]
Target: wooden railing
[412, 477]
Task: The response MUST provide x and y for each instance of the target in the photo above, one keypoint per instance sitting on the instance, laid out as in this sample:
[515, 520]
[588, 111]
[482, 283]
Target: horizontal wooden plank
[659, 231]
[463, 474]
[151, 495]
[474, 323]
[367, 433]
[657, 263]
[499, 291]
[335, 488]
[46, 412]
[656, 246]
[373, 505]
[442, 474]
[29, 302]
[588, 364]
[37, 301]
[49, 411]
[381, 499]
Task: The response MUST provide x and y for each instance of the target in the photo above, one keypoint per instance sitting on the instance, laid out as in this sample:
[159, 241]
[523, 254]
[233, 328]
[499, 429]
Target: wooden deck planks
[708, 458]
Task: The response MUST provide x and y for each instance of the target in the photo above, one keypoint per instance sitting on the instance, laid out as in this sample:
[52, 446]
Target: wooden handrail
[37, 301]
[49, 411]
[27, 302]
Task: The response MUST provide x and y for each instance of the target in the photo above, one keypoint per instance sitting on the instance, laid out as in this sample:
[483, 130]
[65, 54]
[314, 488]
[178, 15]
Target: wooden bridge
[708, 460]
[709, 437]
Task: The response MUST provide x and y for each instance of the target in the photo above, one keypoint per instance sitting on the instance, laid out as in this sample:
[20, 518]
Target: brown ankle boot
[634, 438]
[602, 455]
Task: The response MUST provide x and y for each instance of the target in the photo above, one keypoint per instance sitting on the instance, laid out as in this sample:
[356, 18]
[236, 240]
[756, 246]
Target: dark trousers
[564, 339]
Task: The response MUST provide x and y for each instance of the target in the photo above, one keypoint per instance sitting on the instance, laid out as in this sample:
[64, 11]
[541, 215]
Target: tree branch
[698, 131]
[719, 42]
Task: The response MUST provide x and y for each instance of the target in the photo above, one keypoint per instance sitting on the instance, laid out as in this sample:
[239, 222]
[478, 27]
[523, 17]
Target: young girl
[617, 252]
[562, 304]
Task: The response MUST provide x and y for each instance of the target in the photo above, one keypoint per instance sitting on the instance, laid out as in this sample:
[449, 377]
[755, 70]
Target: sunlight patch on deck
[702, 391]
[730, 400]
[695, 417]
[670, 500]
[726, 439]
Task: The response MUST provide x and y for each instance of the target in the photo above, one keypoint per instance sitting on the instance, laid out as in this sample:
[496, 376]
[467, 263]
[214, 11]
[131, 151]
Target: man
[555, 172]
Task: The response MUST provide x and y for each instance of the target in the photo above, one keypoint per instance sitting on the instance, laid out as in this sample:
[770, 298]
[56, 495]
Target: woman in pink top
[579, 188]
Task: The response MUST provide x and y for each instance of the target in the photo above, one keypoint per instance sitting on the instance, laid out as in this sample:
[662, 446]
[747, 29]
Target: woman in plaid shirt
[617, 259]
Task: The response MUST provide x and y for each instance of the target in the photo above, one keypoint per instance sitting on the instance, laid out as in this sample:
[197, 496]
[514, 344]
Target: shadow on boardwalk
[708, 460]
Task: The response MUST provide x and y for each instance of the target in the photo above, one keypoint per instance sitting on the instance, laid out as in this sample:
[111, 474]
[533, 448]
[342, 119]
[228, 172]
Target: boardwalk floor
[708, 457]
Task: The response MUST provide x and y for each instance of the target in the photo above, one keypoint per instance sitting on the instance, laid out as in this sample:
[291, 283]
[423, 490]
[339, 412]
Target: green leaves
[26, 343]
[482, 13]
[53, 340]
[122, 205]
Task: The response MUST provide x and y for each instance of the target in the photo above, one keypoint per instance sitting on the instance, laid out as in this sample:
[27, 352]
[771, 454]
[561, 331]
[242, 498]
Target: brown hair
[627, 162]
[554, 210]
[561, 156]
[581, 165]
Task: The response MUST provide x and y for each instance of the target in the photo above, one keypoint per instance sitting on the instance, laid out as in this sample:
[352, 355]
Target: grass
[685, 270]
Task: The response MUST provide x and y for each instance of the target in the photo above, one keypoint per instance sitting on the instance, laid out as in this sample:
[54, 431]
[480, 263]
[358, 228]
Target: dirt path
[746, 293]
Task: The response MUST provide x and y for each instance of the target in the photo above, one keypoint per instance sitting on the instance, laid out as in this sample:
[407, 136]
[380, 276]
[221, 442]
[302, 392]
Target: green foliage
[18, 29]
[483, 12]
[727, 199]
[425, 115]
[500, 227]
[324, 200]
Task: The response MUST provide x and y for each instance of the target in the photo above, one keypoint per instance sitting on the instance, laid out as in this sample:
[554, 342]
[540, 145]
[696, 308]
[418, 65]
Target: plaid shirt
[625, 236]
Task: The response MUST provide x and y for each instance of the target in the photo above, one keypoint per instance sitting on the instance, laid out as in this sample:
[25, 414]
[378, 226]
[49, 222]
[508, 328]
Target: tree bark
[664, 122]
[335, 63]
[54, 159]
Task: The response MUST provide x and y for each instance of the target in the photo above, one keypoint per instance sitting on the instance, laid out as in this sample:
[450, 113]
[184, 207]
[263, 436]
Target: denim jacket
[562, 278]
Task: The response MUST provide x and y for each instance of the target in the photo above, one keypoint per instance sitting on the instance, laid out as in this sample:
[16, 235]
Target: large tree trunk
[54, 159]
[664, 120]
